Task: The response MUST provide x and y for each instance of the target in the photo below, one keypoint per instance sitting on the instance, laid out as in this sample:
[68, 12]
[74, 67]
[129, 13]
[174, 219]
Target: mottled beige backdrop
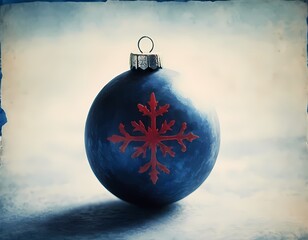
[245, 58]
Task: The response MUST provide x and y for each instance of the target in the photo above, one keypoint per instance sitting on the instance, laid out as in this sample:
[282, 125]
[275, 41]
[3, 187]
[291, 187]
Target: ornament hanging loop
[145, 61]
[143, 37]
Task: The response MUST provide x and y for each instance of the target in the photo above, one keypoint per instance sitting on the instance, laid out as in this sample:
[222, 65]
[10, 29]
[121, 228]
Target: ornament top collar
[145, 61]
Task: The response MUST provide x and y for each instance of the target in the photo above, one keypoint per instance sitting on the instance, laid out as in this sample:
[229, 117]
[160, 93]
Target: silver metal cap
[145, 60]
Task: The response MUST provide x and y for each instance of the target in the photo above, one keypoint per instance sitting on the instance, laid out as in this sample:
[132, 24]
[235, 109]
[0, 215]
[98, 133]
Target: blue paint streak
[2, 2]
[3, 118]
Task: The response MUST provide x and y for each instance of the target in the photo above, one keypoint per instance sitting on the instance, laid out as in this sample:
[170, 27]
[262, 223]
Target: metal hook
[147, 38]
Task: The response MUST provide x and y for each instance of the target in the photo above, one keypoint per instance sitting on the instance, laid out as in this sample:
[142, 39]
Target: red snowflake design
[152, 137]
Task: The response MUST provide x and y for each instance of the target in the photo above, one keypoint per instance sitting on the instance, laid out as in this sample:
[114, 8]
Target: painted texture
[247, 58]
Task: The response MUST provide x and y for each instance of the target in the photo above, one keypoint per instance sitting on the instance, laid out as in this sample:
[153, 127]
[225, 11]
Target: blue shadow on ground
[103, 220]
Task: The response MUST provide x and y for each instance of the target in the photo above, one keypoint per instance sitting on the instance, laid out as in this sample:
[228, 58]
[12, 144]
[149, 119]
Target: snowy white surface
[247, 58]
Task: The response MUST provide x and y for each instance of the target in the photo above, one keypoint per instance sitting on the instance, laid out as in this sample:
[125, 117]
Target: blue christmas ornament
[146, 144]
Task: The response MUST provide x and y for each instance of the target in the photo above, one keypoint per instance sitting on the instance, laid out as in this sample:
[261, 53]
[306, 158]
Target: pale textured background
[248, 59]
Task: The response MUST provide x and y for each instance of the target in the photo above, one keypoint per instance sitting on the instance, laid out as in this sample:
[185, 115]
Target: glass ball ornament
[147, 144]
